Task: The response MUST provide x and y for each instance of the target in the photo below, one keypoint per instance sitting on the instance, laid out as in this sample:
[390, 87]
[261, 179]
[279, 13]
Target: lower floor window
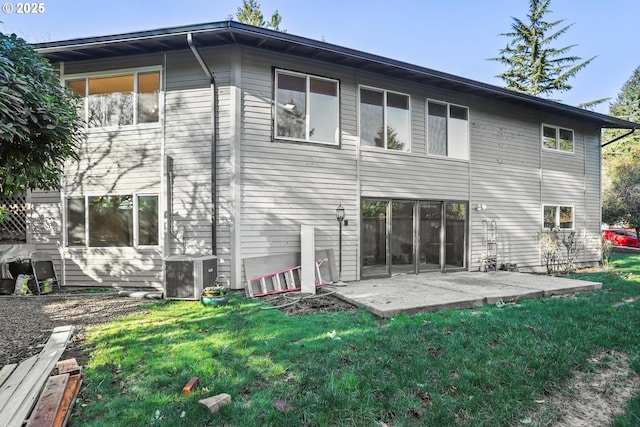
[115, 220]
[558, 217]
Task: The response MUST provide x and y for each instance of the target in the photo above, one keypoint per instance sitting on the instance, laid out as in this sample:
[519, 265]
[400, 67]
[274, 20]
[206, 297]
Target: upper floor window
[556, 138]
[119, 100]
[447, 130]
[306, 108]
[558, 217]
[384, 119]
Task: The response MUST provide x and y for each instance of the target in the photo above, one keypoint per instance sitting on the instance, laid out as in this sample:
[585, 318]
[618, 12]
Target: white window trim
[384, 92]
[557, 129]
[557, 215]
[307, 77]
[136, 227]
[448, 105]
[116, 73]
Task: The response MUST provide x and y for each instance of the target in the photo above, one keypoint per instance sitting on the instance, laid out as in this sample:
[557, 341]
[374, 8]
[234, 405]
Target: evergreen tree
[626, 106]
[621, 160]
[250, 13]
[534, 66]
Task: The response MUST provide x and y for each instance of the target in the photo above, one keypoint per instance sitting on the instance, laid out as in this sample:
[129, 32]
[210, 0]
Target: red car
[621, 237]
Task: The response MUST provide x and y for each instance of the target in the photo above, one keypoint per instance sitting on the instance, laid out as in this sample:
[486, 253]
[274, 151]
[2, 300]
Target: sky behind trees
[455, 37]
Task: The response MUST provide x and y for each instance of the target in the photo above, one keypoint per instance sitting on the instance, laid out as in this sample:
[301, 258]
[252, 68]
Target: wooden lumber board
[48, 403]
[68, 399]
[6, 371]
[68, 366]
[13, 382]
[26, 393]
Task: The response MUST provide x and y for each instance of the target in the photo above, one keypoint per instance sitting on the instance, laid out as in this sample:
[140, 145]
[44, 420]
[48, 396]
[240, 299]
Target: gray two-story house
[224, 139]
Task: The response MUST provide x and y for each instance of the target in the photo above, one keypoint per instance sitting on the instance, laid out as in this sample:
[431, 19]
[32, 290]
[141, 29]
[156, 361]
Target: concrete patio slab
[413, 293]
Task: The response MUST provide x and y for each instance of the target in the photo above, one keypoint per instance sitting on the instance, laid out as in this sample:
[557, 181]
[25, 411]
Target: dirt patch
[26, 322]
[296, 304]
[593, 398]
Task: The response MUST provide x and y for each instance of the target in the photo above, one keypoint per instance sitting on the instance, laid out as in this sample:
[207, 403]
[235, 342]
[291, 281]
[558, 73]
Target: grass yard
[480, 367]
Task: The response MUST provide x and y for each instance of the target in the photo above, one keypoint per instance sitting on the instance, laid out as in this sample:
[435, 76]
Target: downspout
[210, 75]
[619, 138]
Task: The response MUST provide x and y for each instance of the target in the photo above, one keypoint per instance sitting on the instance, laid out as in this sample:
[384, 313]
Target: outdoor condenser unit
[185, 276]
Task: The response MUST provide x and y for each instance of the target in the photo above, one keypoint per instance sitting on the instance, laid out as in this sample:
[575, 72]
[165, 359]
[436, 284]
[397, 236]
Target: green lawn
[481, 367]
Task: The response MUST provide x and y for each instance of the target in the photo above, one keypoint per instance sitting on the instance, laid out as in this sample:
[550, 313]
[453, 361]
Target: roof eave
[227, 32]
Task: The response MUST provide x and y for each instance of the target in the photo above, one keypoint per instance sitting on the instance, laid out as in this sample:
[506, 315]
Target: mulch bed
[292, 303]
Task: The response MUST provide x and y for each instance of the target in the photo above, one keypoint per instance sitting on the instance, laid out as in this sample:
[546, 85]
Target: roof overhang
[230, 32]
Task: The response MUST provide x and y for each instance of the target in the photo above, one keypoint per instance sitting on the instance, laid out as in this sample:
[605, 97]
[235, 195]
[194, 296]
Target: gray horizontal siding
[189, 143]
[119, 161]
[593, 193]
[286, 184]
[123, 160]
[384, 174]
[506, 178]
[114, 267]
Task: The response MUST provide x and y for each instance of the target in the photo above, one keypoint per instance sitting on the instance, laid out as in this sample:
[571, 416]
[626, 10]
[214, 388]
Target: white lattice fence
[14, 225]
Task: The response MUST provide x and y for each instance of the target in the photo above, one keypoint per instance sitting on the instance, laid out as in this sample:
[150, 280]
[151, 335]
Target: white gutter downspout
[210, 75]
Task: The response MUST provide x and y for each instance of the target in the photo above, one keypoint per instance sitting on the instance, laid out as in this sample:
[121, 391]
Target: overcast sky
[453, 36]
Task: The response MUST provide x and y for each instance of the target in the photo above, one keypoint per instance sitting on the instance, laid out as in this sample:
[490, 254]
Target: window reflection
[456, 224]
[119, 100]
[75, 221]
[306, 108]
[371, 118]
[378, 108]
[437, 132]
[148, 93]
[111, 221]
[398, 122]
[323, 113]
[292, 104]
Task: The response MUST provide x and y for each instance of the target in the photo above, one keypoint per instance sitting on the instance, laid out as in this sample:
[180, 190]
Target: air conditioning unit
[186, 276]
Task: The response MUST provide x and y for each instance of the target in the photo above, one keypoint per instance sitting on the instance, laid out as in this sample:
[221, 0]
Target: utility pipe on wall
[210, 75]
[619, 138]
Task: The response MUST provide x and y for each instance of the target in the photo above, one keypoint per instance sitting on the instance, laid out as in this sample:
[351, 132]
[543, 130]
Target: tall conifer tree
[621, 160]
[250, 13]
[626, 106]
[534, 66]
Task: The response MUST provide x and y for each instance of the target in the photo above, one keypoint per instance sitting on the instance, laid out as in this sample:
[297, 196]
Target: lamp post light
[340, 218]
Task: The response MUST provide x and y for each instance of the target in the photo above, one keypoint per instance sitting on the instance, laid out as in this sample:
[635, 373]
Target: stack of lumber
[28, 391]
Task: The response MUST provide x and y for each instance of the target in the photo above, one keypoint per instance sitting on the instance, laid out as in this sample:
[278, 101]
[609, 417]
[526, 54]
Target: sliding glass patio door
[412, 236]
[402, 237]
[374, 237]
[431, 235]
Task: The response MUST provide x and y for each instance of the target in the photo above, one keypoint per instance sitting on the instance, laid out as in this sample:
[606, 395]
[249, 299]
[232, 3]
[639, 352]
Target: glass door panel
[456, 227]
[374, 238]
[430, 235]
[402, 241]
